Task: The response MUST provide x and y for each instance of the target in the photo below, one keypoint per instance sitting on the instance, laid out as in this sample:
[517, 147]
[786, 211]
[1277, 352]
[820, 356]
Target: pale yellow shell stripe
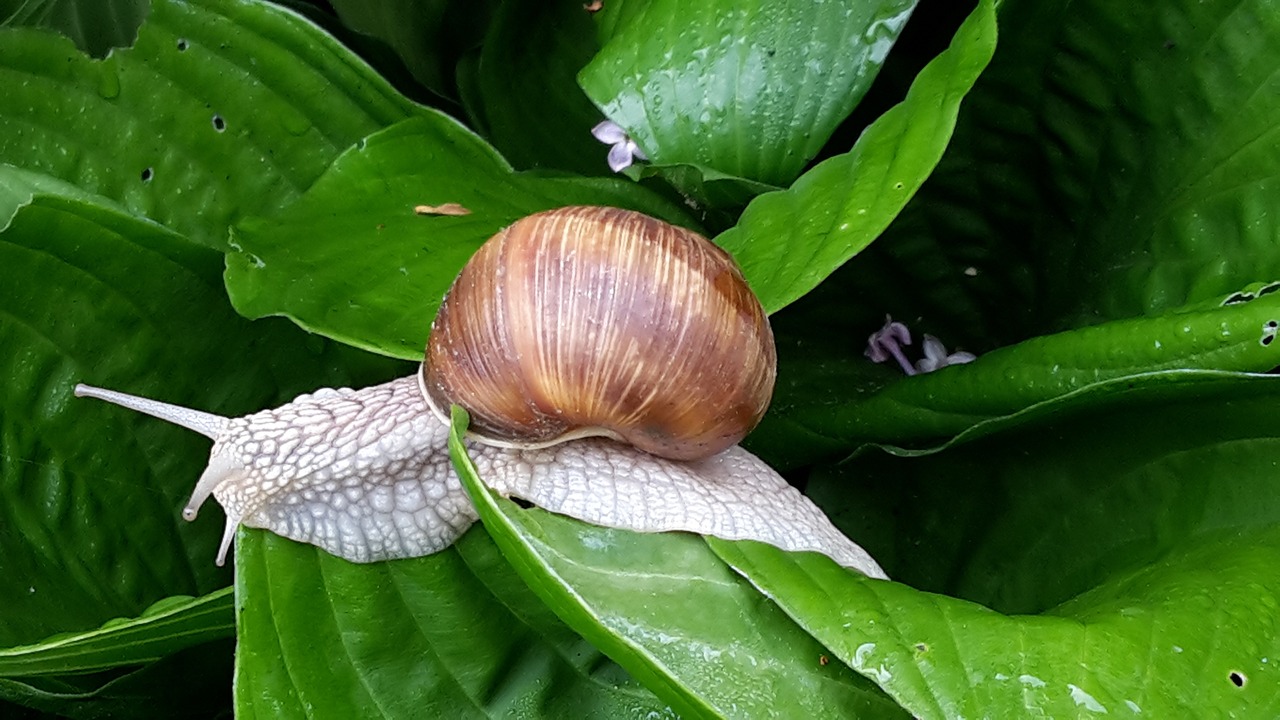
[672, 280]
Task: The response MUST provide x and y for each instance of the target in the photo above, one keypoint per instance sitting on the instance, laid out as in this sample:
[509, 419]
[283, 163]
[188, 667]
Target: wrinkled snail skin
[365, 474]
[589, 321]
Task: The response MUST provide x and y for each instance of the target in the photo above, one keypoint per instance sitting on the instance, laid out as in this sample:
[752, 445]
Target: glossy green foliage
[91, 528]
[700, 637]
[1134, 576]
[454, 634]
[1083, 520]
[219, 110]
[789, 241]
[752, 91]
[354, 261]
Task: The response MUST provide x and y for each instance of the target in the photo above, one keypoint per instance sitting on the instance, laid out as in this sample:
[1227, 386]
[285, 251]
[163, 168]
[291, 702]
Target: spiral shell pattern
[595, 321]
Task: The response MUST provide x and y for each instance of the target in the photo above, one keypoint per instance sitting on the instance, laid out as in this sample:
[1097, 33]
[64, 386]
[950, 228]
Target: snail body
[588, 321]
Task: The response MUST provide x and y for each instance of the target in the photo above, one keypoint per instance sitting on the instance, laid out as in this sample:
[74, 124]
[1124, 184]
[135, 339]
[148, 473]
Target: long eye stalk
[207, 424]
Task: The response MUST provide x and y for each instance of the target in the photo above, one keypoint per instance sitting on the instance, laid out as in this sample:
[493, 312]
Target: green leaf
[695, 634]
[1058, 499]
[449, 635]
[90, 526]
[169, 625]
[353, 261]
[789, 241]
[95, 26]
[1141, 528]
[1236, 336]
[1190, 635]
[222, 108]
[1235, 333]
[749, 91]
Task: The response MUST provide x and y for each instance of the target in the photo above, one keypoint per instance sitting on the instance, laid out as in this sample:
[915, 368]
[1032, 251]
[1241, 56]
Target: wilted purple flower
[887, 342]
[936, 357]
[624, 150]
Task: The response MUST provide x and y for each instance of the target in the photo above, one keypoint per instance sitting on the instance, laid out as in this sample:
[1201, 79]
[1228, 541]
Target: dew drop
[295, 123]
[109, 84]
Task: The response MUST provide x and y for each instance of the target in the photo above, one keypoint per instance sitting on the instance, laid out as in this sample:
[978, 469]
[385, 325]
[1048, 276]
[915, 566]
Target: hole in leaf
[1238, 298]
[1268, 289]
[1269, 332]
[1237, 678]
[182, 44]
[146, 175]
[921, 647]
[219, 124]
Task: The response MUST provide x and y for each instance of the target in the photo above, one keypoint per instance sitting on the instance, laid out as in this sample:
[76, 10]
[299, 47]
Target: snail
[584, 342]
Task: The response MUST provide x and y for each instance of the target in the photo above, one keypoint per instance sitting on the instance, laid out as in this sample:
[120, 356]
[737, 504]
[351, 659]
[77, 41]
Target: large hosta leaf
[1141, 528]
[221, 108]
[90, 526]
[1191, 636]
[789, 241]
[1102, 486]
[751, 91]
[453, 634]
[702, 640]
[354, 261]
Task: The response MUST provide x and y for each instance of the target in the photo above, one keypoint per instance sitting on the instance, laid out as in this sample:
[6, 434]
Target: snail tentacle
[207, 424]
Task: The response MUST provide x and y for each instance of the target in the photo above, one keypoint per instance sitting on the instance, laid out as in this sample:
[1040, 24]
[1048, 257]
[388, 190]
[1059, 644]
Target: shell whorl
[588, 321]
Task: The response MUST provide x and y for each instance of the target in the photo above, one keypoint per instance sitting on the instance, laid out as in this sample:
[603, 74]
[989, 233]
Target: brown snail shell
[594, 321]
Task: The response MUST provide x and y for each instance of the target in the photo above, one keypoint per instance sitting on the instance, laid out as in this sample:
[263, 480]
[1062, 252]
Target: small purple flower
[624, 150]
[936, 357]
[887, 342]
